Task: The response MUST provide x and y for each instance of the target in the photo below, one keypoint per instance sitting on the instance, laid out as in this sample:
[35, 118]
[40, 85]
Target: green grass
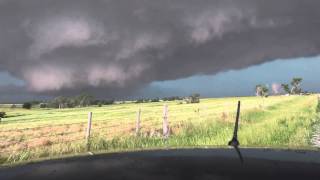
[285, 122]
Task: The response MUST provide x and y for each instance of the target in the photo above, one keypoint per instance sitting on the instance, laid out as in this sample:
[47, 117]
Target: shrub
[139, 101]
[13, 106]
[172, 98]
[2, 114]
[155, 100]
[194, 98]
[109, 102]
[27, 105]
[43, 105]
[35, 102]
[318, 106]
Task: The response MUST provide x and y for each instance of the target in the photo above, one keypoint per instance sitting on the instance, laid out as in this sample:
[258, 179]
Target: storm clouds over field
[111, 47]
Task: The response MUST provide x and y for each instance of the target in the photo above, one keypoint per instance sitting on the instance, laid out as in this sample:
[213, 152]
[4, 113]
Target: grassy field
[279, 121]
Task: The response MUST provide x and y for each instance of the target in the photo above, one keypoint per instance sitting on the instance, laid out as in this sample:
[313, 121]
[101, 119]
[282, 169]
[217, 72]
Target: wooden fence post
[165, 125]
[138, 122]
[88, 128]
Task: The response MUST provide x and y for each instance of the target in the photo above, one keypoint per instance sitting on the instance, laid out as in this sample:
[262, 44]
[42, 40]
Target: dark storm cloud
[114, 46]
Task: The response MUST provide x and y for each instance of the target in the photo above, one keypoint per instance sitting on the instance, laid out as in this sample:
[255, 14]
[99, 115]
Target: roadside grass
[286, 124]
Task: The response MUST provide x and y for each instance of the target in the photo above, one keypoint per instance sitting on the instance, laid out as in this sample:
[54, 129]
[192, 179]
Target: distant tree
[13, 106]
[97, 102]
[27, 105]
[286, 88]
[103, 102]
[72, 102]
[259, 90]
[109, 102]
[140, 100]
[172, 98]
[296, 83]
[35, 103]
[43, 105]
[155, 100]
[265, 91]
[85, 100]
[61, 101]
[194, 98]
[262, 90]
[82, 100]
[2, 115]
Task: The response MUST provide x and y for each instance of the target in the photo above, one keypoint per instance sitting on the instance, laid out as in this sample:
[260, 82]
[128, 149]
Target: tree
[194, 98]
[61, 101]
[172, 98]
[286, 88]
[262, 90]
[259, 90]
[108, 102]
[295, 83]
[155, 100]
[85, 100]
[139, 100]
[43, 105]
[265, 91]
[71, 102]
[82, 100]
[2, 115]
[27, 105]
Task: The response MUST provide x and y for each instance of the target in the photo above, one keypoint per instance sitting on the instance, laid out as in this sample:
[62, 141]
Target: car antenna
[234, 141]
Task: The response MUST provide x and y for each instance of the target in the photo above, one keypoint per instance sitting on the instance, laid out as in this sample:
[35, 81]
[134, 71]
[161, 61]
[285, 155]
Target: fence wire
[28, 138]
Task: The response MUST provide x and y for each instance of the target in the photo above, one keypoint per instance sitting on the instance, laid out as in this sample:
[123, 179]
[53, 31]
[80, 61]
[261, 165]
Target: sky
[222, 84]
[130, 48]
[242, 82]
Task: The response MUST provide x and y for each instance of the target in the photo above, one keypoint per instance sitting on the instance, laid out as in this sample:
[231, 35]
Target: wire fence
[132, 124]
[19, 139]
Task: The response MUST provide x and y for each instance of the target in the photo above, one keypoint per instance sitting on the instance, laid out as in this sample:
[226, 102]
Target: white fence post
[138, 122]
[165, 125]
[88, 127]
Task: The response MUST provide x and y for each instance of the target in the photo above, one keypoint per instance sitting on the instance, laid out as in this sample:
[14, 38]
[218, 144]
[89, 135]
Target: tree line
[293, 88]
[85, 100]
[193, 98]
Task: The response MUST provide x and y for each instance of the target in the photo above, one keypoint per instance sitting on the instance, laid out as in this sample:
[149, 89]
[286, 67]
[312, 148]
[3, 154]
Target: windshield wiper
[234, 141]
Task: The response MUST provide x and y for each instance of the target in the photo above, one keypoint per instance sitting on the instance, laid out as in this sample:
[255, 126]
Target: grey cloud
[113, 47]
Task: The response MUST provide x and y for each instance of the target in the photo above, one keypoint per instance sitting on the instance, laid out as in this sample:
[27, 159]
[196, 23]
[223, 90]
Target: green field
[277, 121]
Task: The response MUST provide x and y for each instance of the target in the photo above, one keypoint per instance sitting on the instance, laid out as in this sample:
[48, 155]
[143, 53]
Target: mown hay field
[276, 121]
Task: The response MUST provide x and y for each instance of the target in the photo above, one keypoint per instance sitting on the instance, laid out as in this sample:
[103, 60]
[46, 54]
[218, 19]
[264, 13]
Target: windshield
[114, 76]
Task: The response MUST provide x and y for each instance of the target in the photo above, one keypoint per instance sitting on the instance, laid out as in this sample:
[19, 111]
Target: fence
[19, 139]
[45, 136]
